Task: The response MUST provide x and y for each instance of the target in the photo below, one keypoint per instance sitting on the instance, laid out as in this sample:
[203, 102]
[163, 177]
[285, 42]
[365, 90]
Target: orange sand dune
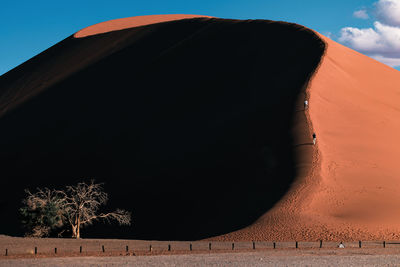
[175, 118]
[222, 138]
[125, 23]
[352, 191]
[356, 113]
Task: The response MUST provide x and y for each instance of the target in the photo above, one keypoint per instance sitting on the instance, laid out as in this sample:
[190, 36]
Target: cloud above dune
[388, 12]
[361, 14]
[382, 40]
[393, 62]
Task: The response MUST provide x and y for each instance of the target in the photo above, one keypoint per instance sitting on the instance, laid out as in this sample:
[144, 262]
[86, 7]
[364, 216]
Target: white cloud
[388, 12]
[382, 41]
[361, 14]
[392, 62]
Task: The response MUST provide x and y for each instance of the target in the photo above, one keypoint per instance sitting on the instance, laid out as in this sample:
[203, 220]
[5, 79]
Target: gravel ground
[15, 251]
[328, 257]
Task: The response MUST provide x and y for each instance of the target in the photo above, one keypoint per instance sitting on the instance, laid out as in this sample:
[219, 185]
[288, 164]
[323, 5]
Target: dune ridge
[352, 190]
[194, 121]
[131, 22]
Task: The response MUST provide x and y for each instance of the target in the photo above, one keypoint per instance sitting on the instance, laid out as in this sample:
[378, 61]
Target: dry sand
[125, 23]
[355, 111]
[349, 187]
[352, 190]
[208, 158]
[349, 191]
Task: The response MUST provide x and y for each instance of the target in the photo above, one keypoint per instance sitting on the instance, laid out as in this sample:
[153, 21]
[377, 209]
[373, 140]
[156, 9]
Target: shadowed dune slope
[194, 125]
[352, 191]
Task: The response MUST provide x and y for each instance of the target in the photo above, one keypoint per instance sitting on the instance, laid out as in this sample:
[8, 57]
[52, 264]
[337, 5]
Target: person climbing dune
[305, 104]
[314, 138]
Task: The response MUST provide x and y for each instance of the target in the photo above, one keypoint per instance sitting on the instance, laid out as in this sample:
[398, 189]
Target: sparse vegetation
[51, 210]
[42, 212]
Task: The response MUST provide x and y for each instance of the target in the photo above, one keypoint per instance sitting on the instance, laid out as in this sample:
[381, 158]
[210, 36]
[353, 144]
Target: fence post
[169, 247]
[297, 244]
[320, 244]
[80, 249]
[384, 244]
[126, 248]
[209, 246]
[359, 244]
[55, 250]
[150, 248]
[254, 245]
[233, 246]
[6, 251]
[190, 246]
[274, 245]
[35, 250]
[102, 247]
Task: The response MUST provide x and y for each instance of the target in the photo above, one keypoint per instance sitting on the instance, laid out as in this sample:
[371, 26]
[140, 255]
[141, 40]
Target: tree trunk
[78, 226]
[75, 227]
[73, 231]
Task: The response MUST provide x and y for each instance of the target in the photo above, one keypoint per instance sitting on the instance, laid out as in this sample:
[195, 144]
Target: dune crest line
[126, 23]
[352, 189]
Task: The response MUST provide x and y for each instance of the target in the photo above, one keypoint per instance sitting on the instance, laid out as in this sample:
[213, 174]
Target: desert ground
[282, 258]
[21, 252]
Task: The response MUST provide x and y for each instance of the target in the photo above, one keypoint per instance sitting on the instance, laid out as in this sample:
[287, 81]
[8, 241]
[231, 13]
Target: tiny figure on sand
[314, 136]
[305, 104]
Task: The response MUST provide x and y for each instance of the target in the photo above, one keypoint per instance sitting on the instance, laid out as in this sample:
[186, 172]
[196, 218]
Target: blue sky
[29, 27]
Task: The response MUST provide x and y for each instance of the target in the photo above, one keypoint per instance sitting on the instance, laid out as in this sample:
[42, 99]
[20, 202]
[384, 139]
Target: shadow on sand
[188, 123]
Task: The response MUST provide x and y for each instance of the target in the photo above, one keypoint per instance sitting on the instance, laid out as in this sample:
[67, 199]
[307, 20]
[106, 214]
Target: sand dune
[197, 125]
[188, 122]
[125, 23]
[352, 190]
[357, 117]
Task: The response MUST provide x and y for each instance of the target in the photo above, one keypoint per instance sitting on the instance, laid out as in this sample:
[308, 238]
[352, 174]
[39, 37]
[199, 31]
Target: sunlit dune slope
[126, 23]
[352, 191]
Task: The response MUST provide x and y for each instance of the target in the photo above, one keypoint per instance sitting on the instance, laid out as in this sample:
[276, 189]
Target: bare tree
[42, 212]
[82, 203]
[76, 206]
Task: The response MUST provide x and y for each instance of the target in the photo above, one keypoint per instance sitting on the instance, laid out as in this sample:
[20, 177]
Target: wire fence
[135, 247]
